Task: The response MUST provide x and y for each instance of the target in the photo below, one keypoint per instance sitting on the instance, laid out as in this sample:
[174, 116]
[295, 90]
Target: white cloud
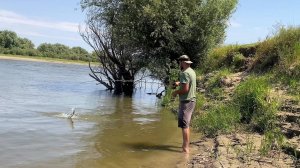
[35, 34]
[9, 17]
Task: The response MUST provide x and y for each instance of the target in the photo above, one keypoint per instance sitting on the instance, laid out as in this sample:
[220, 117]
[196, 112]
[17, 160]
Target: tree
[54, 50]
[8, 39]
[78, 53]
[120, 59]
[160, 29]
[25, 43]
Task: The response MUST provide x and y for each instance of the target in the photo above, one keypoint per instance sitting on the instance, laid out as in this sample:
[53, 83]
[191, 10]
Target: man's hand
[183, 89]
[175, 84]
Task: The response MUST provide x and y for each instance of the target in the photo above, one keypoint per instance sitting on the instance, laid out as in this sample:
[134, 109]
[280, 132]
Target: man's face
[180, 65]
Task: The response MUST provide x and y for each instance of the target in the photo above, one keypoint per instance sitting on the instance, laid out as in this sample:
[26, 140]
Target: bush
[219, 119]
[281, 50]
[167, 97]
[252, 99]
[238, 61]
[214, 83]
[231, 56]
[217, 56]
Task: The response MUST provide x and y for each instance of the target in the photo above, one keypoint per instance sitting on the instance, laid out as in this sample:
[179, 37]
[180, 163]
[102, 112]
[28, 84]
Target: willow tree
[158, 29]
[120, 58]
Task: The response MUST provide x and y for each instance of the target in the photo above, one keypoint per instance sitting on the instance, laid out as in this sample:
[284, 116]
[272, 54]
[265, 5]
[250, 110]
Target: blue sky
[57, 21]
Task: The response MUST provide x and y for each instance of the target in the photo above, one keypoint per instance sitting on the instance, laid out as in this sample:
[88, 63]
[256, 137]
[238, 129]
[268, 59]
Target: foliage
[167, 99]
[219, 119]
[200, 100]
[8, 39]
[185, 27]
[238, 60]
[281, 50]
[216, 57]
[52, 50]
[251, 97]
[229, 56]
[273, 139]
[164, 30]
[119, 58]
[11, 44]
[214, 83]
[25, 43]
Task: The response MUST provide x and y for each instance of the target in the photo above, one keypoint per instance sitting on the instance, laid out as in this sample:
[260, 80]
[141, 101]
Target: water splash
[71, 115]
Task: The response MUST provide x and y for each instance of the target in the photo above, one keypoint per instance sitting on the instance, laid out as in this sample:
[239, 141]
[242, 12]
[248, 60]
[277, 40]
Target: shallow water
[106, 131]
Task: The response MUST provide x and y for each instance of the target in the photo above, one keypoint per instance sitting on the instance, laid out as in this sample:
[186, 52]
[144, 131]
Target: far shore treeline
[12, 44]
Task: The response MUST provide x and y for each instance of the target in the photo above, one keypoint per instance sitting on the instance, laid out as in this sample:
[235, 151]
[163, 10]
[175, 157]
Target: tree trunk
[118, 88]
[128, 85]
[128, 88]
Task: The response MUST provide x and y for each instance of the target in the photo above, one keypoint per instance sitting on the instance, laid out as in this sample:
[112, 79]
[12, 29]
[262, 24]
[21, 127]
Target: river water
[107, 131]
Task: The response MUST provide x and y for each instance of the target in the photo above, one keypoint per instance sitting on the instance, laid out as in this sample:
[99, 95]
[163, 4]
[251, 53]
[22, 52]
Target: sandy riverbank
[41, 59]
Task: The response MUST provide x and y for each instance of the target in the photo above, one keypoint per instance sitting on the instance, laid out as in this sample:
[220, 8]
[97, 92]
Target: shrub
[252, 99]
[219, 119]
[214, 83]
[217, 56]
[167, 98]
[230, 56]
[278, 50]
[238, 61]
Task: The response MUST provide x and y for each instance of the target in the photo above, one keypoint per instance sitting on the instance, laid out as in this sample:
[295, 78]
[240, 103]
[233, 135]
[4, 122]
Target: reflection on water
[107, 131]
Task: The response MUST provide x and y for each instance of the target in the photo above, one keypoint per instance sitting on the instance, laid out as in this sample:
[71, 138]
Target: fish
[72, 113]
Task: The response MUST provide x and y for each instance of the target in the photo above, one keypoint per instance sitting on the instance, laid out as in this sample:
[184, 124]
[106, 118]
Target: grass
[251, 104]
[200, 100]
[279, 51]
[219, 119]
[230, 56]
[218, 57]
[252, 99]
[214, 83]
[273, 139]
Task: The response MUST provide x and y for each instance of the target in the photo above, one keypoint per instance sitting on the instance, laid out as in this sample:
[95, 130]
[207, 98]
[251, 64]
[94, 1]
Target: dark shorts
[186, 109]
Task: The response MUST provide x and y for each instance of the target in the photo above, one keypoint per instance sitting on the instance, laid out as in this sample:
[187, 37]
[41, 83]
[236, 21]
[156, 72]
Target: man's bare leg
[186, 139]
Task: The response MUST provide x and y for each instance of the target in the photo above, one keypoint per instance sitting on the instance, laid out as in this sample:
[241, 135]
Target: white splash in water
[68, 115]
[72, 114]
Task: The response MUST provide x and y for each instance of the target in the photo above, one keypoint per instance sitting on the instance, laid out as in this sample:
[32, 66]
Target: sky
[57, 21]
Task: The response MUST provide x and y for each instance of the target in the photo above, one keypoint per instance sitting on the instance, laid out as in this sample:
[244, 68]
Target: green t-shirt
[188, 76]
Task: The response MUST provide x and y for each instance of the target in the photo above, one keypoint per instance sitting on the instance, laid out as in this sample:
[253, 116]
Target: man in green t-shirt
[187, 98]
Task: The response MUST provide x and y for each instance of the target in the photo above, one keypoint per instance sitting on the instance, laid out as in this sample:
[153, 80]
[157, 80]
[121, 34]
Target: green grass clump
[230, 56]
[218, 56]
[215, 81]
[281, 50]
[219, 119]
[273, 139]
[167, 98]
[200, 100]
[252, 99]
[238, 60]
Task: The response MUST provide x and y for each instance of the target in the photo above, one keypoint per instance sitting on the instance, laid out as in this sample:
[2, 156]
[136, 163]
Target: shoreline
[193, 148]
[42, 59]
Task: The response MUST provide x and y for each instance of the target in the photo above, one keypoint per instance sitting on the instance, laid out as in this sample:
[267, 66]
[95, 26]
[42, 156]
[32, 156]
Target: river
[107, 131]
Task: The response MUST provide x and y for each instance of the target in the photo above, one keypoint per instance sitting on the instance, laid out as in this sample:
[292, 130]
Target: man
[187, 98]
